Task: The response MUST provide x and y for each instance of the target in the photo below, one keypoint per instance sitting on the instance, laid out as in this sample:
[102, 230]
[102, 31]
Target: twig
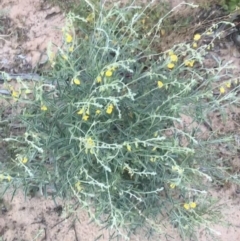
[66, 217]
[45, 234]
[5, 92]
[25, 76]
[22, 76]
[74, 229]
[61, 221]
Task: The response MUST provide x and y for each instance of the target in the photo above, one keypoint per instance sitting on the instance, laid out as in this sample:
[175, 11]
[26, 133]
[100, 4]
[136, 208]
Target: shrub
[104, 124]
[231, 5]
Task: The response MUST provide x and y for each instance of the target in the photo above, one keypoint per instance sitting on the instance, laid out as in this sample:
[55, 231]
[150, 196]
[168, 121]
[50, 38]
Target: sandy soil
[29, 26]
[38, 218]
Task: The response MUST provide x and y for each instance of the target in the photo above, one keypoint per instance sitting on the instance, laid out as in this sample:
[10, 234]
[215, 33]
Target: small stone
[236, 38]
[237, 191]
[43, 59]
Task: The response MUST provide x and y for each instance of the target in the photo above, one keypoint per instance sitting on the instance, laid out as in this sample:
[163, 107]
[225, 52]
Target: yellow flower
[178, 169]
[53, 64]
[89, 144]
[28, 91]
[99, 79]
[175, 168]
[209, 33]
[76, 81]
[210, 46]
[160, 84]
[113, 68]
[152, 159]
[162, 32]
[222, 90]
[129, 148]
[108, 73]
[114, 42]
[78, 186]
[80, 112]
[24, 160]
[109, 109]
[196, 37]
[68, 38]
[98, 112]
[51, 57]
[15, 94]
[1, 177]
[194, 45]
[172, 185]
[70, 49]
[186, 206]
[189, 63]
[228, 84]
[192, 205]
[44, 108]
[65, 57]
[174, 58]
[90, 17]
[170, 65]
[9, 178]
[170, 53]
[85, 117]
